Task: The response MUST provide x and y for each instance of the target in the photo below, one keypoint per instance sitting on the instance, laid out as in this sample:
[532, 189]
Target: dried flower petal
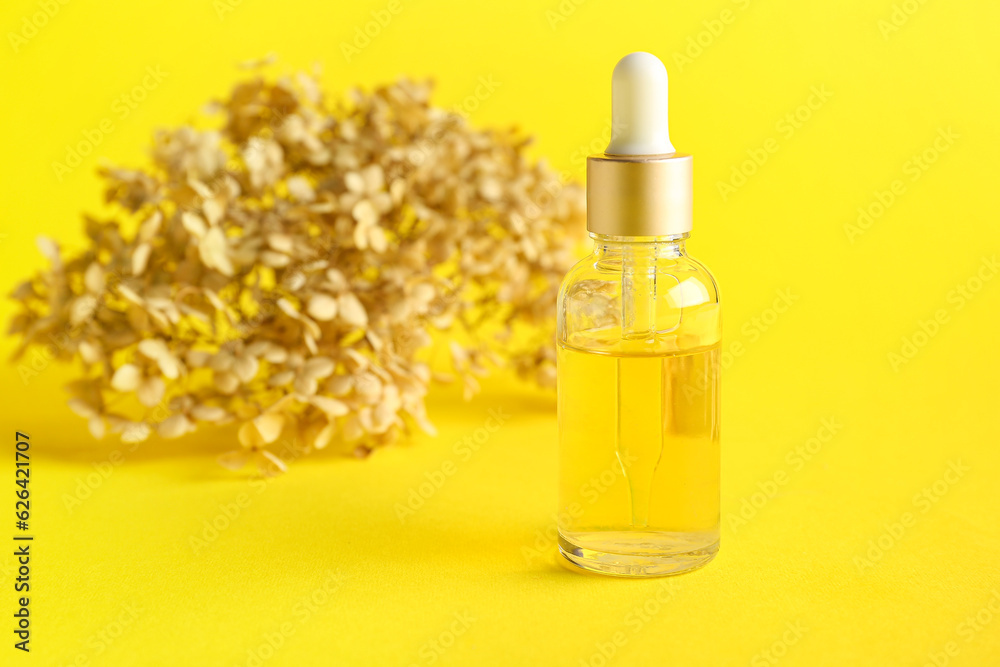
[150, 391]
[139, 258]
[136, 432]
[322, 307]
[298, 260]
[269, 426]
[126, 378]
[214, 251]
[174, 426]
[82, 408]
[249, 436]
[93, 278]
[351, 310]
[194, 224]
[50, 249]
[331, 406]
[208, 413]
[97, 427]
[245, 368]
[227, 382]
[235, 459]
[324, 436]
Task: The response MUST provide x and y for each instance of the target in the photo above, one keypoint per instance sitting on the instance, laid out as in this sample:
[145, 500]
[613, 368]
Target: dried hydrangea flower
[285, 271]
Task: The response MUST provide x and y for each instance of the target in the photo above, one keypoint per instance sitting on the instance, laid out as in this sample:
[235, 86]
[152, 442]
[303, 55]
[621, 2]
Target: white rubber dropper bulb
[639, 119]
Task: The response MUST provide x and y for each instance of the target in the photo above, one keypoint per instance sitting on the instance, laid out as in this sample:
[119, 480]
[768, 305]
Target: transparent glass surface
[639, 330]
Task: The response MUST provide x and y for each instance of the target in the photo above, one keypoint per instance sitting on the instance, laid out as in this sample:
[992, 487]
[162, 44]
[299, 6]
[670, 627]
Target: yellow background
[116, 580]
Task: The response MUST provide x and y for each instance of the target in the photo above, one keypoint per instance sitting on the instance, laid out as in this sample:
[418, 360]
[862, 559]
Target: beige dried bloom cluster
[286, 271]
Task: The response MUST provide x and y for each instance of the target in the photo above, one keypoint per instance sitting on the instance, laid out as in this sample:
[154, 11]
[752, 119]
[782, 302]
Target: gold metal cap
[639, 195]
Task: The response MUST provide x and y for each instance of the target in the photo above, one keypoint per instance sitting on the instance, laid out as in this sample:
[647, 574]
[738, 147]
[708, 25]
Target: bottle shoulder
[670, 304]
[707, 276]
[683, 267]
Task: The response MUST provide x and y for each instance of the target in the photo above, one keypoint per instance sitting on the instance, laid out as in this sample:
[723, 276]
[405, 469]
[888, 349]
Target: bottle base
[658, 557]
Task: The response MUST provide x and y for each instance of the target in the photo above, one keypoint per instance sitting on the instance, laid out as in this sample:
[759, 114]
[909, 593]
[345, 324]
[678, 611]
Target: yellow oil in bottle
[639, 457]
[638, 328]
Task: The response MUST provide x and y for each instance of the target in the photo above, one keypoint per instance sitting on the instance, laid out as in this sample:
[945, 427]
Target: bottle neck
[618, 248]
